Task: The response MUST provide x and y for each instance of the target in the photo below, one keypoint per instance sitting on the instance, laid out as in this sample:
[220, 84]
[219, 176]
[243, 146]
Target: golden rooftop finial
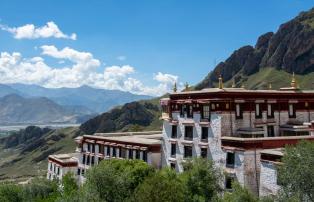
[186, 86]
[293, 81]
[175, 87]
[220, 85]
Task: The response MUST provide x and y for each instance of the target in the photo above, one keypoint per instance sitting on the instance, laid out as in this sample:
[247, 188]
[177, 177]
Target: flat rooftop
[64, 159]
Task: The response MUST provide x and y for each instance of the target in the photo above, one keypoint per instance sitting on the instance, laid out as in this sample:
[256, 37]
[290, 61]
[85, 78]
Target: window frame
[188, 136]
[188, 152]
[230, 160]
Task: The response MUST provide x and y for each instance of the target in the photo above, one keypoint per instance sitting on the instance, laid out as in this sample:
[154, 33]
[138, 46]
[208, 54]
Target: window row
[259, 112]
[188, 151]
[188, 133]
[55, 169]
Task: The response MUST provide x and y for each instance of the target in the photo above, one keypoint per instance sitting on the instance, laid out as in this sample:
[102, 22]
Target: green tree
[69, 184]
[239, 194]
[116, 180]
[201, 179]
[296, 173]
[165, 185]
[10, 193]
[40, 189]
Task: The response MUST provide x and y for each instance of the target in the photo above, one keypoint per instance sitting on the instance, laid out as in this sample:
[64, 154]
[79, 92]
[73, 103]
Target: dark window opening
[93, 148]
[188, 133]
[108, 151]
[145, 156]
[204, 136]
[87, 160]
[187, 152]
[78, 171]
[84, 158]
[114, 152]
[173, 150]
[58, 171]
[228, 183]
[120, 153]
[130, 154]
[101, 149]
[174, 132]
[230, 160]
[137, 154]
[204, 152]
[270, 131]
[92, 160]
[88, 147]
[83, 172]
[182, 109]
[172, 165]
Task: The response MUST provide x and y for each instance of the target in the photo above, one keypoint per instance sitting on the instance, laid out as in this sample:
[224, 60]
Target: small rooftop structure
[65, 160]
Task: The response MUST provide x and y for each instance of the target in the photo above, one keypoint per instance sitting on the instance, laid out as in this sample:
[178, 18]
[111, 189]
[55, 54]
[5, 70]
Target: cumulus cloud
[30, 31]
[84, 71]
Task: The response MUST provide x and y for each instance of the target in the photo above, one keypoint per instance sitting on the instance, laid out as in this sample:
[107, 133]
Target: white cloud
[121, 58]
[29, 31]
[84, 71]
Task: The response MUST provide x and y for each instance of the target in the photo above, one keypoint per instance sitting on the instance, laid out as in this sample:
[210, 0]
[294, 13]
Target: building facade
[91, 149]
[231, 126]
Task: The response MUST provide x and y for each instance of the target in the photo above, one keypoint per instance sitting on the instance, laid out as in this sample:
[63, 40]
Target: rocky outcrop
[290, 49]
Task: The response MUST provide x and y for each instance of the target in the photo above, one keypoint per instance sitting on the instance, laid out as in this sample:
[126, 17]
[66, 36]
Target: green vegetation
[296, 173]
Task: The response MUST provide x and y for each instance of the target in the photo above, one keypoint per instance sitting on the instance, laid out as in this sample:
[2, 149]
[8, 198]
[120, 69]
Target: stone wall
[268, 179]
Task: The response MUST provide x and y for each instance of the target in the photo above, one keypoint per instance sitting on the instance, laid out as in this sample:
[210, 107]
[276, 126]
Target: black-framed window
[258, 111]
[204, 135]
[83, 172]
[230, 160]
[119, 151]
[130, 153]
[123, 152]
[93, 148]
[238, 111]
[78, 171]
[204, 152]
[228, 183]
[189, 111]
[84, 159]
[114, 152]
[172, 165]
[89, 147]
[50, 167]
[174, 131]
[87, 160]
[108, 151]
[145, 156]
[137, 154]
[101, 148]
[206, 112]
[270, 110]
[188, 133]
[291, 111]
[58, 170]
[173, 150]
[92, 160]
[270, 131]
[188, 152]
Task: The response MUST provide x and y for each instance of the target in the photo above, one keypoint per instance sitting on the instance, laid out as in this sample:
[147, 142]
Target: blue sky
[156, 42]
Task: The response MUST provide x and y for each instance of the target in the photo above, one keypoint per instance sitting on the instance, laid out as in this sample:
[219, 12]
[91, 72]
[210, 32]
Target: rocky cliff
[290, 49]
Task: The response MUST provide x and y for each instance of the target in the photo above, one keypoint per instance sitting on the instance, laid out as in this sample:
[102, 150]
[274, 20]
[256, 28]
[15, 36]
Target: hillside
[15, 109]
[290, 49]
[24, 153]
[134, 116]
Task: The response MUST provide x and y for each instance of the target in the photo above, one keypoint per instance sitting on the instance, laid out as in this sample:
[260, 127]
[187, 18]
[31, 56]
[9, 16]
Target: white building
[61, 164]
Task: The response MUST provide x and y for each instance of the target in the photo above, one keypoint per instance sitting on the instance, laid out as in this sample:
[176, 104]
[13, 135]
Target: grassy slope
[277, 78]
[18, 166]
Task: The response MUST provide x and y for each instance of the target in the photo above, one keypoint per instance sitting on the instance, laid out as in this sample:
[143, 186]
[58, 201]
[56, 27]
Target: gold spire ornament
[294, 82]
[175, 87]
[221, 84]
